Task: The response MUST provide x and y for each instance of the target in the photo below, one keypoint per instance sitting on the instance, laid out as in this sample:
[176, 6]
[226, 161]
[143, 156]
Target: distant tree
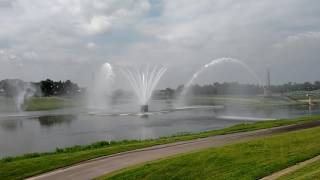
[317, 85]
[59, 88]
[47, 87]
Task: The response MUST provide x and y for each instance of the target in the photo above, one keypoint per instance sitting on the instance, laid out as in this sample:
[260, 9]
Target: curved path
[291, 169]
[103, 165]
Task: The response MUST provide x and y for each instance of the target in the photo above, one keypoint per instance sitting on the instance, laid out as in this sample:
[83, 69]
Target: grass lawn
[247, 100]
[32, 164]
[48, 103]
[310, 171]
[252, 159]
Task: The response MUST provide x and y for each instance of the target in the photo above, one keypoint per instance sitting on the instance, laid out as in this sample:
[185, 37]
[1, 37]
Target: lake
[28, 132]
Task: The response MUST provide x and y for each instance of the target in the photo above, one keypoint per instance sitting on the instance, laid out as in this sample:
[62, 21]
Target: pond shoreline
[28, 165]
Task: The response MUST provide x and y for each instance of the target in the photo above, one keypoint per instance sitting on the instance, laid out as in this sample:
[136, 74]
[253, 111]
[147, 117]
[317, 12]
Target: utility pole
[267, 89]
[268, 79]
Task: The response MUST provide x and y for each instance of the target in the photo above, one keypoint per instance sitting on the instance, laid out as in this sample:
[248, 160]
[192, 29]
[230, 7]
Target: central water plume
[101, 86]
[144, 81]
[216, 62]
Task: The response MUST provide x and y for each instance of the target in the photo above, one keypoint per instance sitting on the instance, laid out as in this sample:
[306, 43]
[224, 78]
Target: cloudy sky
[69, 39]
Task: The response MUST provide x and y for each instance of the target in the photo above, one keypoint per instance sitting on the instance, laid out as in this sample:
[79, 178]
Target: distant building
[267, 88]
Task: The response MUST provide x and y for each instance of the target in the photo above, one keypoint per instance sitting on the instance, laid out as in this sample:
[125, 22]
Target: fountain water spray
[23, 95]
[216, 62]
[144, 81]
[20, 91]
[102, 81]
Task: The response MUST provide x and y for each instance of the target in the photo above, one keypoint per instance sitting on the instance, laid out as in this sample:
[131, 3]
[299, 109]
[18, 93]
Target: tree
[59, 88]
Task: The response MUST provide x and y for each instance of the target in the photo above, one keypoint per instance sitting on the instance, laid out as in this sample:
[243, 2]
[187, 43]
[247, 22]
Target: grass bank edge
[49, 103]
[63, 157]
[310, 171]
[262, 153]
[243, 127]
[56, 102]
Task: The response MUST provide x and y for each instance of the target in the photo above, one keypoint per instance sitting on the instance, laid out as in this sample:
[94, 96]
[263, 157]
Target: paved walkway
[100, 166]
[291, 169]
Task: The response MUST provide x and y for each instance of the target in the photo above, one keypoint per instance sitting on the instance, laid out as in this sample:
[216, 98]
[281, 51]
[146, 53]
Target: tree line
[235, 88]
[58, 88]
[48, 87]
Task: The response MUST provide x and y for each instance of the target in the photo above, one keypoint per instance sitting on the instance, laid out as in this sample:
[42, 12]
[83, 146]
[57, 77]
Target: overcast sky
[68, 39]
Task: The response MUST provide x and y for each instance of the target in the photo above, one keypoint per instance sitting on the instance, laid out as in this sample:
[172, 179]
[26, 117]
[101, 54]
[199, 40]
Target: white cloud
[183, 34]
[53, 28]
[190, 22]
[193, 23]
[98, 25]
[299, 38]
[189, 33]
[91, 45]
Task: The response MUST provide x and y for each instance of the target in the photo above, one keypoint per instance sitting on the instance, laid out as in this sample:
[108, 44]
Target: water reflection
[11, 125]
[44, 131]
[144, 116]
[48, 121]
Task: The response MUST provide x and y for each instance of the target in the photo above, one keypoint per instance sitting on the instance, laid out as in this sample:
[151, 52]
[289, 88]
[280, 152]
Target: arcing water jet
[216, 62]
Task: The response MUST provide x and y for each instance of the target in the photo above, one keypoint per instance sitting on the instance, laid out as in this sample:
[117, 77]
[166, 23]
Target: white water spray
[216, 62]
[20, 92]
[102, 81]
[144, 81]
[24, 94]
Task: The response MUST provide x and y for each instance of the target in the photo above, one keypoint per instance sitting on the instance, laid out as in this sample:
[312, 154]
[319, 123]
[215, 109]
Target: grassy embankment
[254, 101]
[51, 103]
[48, 103]
[252, 159]
[310, 171]
[32, 164]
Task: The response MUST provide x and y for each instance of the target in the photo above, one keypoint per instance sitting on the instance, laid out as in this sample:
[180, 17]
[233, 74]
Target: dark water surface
[28, 132]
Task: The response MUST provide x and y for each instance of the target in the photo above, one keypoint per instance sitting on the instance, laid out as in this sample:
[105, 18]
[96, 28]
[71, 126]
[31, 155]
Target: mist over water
[100, 90]
[19, 91]
[24, 94]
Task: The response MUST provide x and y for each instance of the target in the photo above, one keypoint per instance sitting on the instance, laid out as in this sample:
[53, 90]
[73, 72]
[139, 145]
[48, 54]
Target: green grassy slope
[48, 103]
[310, 171]
[246, 160]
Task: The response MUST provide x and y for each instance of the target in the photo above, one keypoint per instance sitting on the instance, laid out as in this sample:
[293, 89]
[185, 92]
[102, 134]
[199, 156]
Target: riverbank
[52, 103]
[37, 163]
[253, 101]
[252, 159]
[309, 171]
[49, 103]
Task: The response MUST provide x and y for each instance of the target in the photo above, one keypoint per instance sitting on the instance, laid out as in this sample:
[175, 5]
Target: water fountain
[100, 88]
[144, 81]
[24, 93]
[19, 91]
[214, 63]
[122, 123]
